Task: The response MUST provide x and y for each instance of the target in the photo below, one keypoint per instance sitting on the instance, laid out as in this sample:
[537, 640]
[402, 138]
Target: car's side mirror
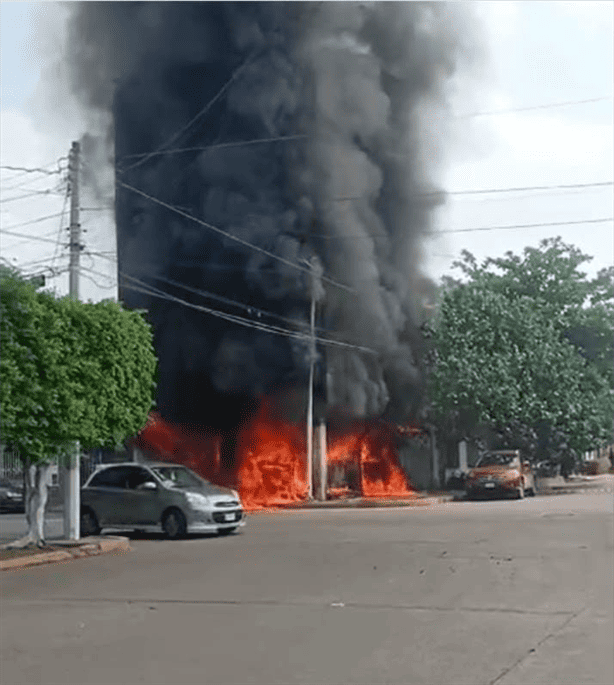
[148, 485]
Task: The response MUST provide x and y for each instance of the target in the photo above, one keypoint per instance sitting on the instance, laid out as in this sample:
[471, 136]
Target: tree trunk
[35, 500]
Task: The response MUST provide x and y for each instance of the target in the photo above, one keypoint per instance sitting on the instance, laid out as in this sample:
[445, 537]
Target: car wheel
[226, 531]
[174, 524]
[89, 523]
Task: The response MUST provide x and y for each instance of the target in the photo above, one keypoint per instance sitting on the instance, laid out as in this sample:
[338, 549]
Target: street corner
[62, 550]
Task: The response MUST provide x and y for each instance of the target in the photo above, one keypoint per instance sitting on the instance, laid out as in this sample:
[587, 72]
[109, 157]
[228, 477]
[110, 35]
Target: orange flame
[271, 462]
[270, 459]
[372, 459]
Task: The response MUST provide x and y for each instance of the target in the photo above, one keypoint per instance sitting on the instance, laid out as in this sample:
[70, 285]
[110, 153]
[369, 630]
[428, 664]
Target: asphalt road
[503, 592]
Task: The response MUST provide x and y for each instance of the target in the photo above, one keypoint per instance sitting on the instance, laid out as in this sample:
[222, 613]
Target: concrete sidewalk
[560, 486]
[64, 550]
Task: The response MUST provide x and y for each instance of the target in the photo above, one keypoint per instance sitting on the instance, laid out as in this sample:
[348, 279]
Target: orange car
[502, 472]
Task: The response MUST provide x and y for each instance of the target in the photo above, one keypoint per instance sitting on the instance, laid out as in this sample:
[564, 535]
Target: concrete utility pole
[72, 484]
[322, 459]
[312, 361]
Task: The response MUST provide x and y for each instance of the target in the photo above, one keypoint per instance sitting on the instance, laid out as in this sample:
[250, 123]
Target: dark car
[11, 497]
[154, 496]
[501, 472]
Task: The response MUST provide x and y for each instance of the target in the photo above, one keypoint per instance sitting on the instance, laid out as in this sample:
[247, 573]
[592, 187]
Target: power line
[25, 235]
[97, 273]
[485, 191]
[27, 195]
[216, 146]
[225, 300]
[35, 170]
[534, 107]
[467, 230]
[22, 185]
[241, 241]
[267, 328]
[201, 113]
[545, 223]
[566, 186]
[33, 221]
[27, 240]
[36, 262]
[59, 236]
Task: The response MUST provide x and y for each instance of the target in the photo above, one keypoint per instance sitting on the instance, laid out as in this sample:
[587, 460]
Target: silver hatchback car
[150, 496]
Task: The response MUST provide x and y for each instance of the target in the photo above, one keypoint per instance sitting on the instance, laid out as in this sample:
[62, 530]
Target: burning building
[271, 158]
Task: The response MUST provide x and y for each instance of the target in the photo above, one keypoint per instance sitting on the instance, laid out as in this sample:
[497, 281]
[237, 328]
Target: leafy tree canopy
[524, 345]
[70, 370]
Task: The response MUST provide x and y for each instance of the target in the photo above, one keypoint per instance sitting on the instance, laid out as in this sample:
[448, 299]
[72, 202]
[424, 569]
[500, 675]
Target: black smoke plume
[314, 131]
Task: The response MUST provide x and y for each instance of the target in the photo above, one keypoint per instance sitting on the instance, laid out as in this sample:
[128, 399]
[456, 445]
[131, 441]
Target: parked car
[154, 496]
[501, 472]
[11, 498]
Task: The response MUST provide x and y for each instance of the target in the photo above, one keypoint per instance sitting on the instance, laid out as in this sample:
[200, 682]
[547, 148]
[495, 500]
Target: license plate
[229, 517]
[489, 485]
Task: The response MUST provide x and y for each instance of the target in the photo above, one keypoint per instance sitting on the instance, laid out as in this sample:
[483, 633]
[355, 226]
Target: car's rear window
[497, 460]
[178, 476]
[115, 477]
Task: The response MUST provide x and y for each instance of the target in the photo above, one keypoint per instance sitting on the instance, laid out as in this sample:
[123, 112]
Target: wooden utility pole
[72, 484]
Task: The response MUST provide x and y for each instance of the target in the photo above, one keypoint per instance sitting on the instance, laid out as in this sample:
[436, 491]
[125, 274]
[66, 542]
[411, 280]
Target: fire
[371, 463]
[270, 460]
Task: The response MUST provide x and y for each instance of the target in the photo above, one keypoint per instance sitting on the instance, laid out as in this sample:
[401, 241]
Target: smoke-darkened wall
[310, 131]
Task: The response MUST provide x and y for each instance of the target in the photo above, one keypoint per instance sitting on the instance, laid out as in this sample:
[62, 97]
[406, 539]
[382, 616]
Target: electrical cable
[533, 107]
[215, 146]
[225, 300]
[32, 193]
[201, 113]
[267, 328]
[59, 236]
[27, 240]
[33, 221]
[488, 191]
[514, 226]
[241, 241]
[29, 170]
[25, 235]
[112, 283]
[469, 230]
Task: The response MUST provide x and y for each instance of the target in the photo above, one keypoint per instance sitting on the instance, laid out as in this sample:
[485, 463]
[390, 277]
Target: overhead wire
[550, 105]
[489, 191]
[32, 193]
[33, 170]
[201, 113]
[60, 227]
[234, 238]
[536, 225]
[267, 328]
[27, 240]
[112, 283]
[215, 146]
[25, 235]
[32, 221]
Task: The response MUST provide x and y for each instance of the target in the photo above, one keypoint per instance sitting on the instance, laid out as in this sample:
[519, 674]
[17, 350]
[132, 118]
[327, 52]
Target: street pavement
[495, 592]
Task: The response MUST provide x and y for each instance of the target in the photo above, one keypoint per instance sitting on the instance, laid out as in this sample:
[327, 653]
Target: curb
[87, 547]
[358, 503]
[562, 490]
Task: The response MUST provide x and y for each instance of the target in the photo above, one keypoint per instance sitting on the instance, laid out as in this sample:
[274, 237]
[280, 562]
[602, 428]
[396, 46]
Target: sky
[511, 130]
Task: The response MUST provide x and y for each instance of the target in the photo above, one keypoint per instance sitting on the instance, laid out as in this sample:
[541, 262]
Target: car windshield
[178, 477]
[494, 459]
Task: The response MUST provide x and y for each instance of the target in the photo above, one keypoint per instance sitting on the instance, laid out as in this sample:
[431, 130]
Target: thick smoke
[357, 94]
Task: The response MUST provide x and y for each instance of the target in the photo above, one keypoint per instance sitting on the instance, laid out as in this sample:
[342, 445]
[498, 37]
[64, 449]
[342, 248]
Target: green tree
[523, 345]
[70, 371]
